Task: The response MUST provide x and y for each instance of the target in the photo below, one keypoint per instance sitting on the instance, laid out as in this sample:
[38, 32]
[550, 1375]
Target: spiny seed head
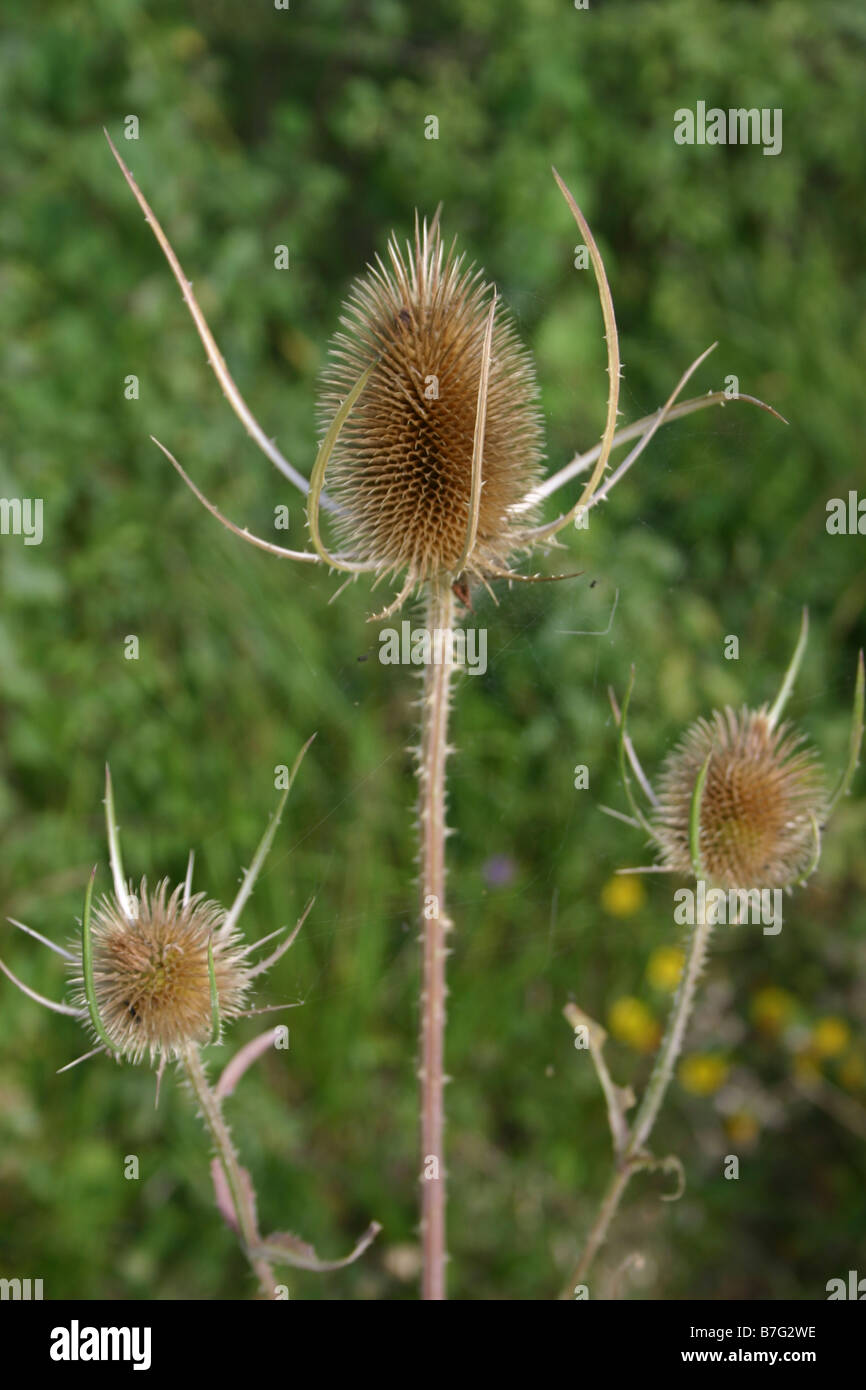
[401, 471]
[150, 971]
[761, 792]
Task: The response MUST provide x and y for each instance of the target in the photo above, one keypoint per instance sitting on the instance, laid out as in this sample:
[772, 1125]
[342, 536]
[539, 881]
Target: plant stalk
[672, 1043]
[434, 928]
[629, 1161]
[242, 1199]
[606, 1212]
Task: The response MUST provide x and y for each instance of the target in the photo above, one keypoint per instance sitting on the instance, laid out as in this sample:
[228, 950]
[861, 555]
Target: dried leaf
[284, 1248]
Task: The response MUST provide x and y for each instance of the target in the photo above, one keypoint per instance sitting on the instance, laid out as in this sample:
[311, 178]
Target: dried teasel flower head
[401, 471]
[156, 974]
[763, 796]
[153, 959]
[742, 799]
[429, 418]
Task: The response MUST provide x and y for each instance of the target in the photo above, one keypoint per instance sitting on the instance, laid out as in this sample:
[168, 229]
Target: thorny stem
[242, 1201]
[434, 928]
[631, 1159]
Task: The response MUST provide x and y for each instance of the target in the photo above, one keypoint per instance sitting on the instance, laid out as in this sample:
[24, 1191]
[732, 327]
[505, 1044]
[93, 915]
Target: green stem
[242, 1199]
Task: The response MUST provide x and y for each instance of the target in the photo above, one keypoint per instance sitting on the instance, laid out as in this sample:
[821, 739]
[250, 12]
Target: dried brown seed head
[150, 971]
[401, 471]
[762, 791]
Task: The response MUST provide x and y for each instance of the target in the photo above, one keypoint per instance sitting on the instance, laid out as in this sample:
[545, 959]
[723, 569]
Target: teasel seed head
[763, 799]
[742, 799]
[156, 974]
[401, 471]
[151, 976]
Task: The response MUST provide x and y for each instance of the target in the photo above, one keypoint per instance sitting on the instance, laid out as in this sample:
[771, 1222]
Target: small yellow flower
[664, 968]
[771, 1009]
[830, 1036]
[623, 895]
[703, 1073]
[742, 1128]
[631, 1022]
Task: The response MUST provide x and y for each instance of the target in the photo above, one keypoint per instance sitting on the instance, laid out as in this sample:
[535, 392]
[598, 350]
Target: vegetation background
[261, 126]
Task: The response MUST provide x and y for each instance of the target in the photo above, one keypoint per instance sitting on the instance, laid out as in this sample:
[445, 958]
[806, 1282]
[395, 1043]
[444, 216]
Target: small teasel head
[437, 345]
[159, 962]
[742, 799]
[157, 973]
[763, 801]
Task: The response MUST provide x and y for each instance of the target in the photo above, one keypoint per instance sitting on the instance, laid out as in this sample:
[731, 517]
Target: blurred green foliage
[306, 127]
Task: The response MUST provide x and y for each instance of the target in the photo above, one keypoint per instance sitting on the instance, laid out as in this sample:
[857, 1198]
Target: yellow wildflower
[771, 1009]
[703, 1073]
[631, 1022]
[623, 895]
[830, 1036]
[664, 967]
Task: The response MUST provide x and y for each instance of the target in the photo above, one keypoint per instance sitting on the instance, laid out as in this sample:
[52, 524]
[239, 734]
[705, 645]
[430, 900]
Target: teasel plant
[428, 418]
[742, 804]
[156, 975]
